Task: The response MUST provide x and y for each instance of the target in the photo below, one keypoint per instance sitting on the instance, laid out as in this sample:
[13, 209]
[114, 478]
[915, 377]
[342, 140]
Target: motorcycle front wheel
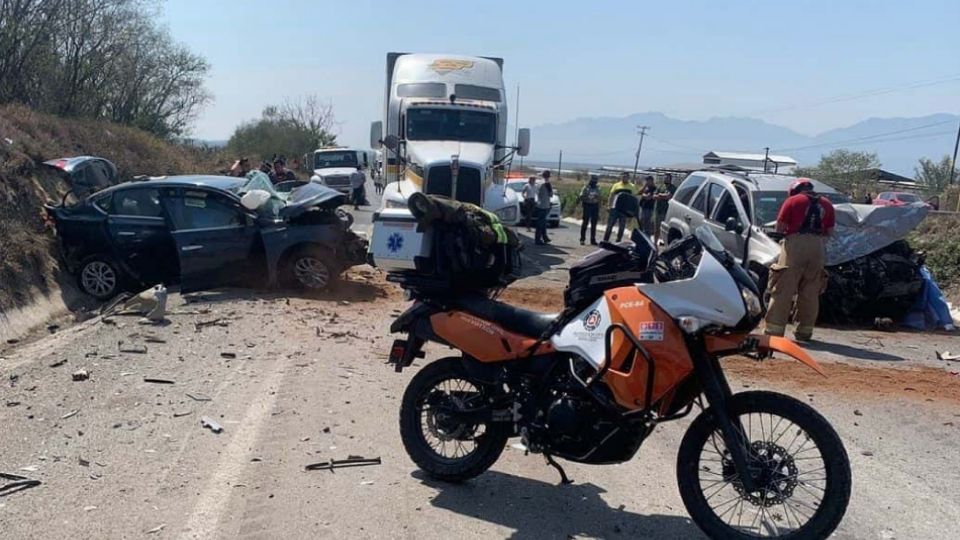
[796, 456]
[440, 442]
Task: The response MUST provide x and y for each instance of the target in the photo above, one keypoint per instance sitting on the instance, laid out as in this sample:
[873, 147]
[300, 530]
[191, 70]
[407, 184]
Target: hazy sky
[775, 60]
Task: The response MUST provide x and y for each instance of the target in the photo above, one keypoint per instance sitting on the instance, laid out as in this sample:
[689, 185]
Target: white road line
[213, 500]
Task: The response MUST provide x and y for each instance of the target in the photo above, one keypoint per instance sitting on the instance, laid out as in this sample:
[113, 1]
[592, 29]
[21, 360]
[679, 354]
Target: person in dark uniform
[590, 200]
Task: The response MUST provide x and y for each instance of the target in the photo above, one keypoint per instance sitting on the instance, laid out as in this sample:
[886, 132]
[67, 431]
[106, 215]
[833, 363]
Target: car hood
[309, 196]
[334, 170]
[862, 229]
[426, 152]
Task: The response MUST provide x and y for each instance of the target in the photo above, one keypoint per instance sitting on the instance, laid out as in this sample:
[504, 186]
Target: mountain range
[898, 142]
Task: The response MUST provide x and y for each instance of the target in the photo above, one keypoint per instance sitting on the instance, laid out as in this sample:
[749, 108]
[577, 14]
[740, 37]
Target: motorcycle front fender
[763, 344]
[783, 345]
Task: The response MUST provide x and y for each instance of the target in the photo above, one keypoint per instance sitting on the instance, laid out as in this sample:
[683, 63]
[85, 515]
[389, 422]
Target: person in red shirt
[805, 219]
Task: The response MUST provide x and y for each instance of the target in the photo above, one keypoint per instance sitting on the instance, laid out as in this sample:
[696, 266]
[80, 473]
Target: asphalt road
[295, 381]
[298, 381]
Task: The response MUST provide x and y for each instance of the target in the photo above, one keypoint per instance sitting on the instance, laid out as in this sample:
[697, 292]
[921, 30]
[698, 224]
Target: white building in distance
[753, 162]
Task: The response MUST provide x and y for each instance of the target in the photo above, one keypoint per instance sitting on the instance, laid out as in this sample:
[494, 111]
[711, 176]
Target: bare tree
[311, 114]
[99, 58]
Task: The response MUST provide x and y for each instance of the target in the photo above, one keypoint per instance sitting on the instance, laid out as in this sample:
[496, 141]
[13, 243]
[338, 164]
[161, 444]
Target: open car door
[217, 241]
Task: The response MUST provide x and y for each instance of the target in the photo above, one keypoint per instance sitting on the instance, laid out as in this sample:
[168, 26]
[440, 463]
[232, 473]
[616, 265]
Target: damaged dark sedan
[205, 232]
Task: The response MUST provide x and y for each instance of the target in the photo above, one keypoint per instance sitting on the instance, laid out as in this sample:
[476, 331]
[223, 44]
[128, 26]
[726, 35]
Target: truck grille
[440, 182]
[337, 180]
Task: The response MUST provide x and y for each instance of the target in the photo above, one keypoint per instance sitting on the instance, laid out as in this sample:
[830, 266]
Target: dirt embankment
[28, 267]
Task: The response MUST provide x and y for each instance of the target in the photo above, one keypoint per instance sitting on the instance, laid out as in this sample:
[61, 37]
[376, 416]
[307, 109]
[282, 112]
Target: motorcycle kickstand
[563, 475]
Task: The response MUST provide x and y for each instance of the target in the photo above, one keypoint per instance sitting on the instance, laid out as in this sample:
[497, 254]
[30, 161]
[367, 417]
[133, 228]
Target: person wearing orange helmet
[805, 219]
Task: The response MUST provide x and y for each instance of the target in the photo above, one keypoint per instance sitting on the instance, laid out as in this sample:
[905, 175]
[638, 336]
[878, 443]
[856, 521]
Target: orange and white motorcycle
[590, 384]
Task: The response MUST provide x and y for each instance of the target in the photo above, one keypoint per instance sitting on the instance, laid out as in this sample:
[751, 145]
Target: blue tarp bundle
[930, 309]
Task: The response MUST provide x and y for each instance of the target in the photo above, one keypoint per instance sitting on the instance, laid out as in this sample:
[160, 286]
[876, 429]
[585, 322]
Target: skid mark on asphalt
[213, 500]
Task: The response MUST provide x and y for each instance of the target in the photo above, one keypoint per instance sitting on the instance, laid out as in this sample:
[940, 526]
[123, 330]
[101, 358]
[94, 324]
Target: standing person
[544, 194]
[806, 219]
[664, 194]
[357, 192]
[648, 201]
[590, 199]
[529, 194]
[868, 199]
[616, 215]
[280, 171]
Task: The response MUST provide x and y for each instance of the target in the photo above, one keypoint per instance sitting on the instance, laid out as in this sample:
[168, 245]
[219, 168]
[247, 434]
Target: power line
[862, 95]
[865, 138]
[677, 145]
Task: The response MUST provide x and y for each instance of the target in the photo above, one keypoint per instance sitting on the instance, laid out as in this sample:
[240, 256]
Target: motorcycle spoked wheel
[801, 464]
[442, 446]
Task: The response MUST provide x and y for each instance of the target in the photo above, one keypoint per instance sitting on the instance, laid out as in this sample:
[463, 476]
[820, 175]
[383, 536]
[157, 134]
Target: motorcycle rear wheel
[443, 447]
[801, 462]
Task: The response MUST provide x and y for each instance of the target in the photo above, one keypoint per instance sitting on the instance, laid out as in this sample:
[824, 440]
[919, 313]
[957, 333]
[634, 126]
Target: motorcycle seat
[515, 319]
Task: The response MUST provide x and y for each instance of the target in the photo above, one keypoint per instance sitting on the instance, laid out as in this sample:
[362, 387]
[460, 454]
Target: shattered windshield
[325, 160]
[451, 125]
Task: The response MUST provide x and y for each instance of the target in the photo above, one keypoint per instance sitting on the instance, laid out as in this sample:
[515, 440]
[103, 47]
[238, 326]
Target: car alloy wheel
[311, 272]
[98, 279]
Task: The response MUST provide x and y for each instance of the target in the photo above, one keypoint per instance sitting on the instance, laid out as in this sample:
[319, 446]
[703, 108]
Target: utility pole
[560, 165]
[636, 163]
[766, 158]
[953, 162]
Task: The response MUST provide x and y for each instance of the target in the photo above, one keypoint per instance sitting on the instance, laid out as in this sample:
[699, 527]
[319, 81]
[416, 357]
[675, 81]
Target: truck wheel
[310, 268]
[99, 277]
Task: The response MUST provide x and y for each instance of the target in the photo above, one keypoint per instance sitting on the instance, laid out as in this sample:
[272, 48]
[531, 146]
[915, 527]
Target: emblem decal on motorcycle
[651, 331]
[592, 321]
[395, 242]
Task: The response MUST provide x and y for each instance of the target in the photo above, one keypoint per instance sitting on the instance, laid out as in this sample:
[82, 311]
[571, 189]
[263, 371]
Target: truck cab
[444, 132]
[333, 166]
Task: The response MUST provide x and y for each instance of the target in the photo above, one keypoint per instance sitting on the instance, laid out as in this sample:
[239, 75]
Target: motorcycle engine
[575, 426]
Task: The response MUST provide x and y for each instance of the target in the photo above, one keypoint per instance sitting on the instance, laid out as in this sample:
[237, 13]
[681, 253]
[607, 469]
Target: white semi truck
[444, 132]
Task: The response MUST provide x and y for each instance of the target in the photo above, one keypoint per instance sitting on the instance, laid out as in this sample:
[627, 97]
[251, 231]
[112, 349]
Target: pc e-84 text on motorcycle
[590, 385]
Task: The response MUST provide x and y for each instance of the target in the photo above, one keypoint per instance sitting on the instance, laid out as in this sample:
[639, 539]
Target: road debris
[82, 462]
[157, 381]
[947, 357]
[81, 375]
[351, 461]
[199, 397]
[136, 349]
[70, 414]
[18, 483]
[58, 363]
[207, 422]
[13, 403]
[228, 355]
[157, 529]
[178, 414]
[200, 325]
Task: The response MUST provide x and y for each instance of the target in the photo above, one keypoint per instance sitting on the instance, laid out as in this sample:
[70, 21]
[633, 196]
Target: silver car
[713, 197]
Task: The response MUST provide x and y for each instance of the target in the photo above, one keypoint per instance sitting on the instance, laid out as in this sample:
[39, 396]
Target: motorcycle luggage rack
[637, 348]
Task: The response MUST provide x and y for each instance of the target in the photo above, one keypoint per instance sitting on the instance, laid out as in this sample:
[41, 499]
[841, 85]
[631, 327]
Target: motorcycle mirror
[732, 225]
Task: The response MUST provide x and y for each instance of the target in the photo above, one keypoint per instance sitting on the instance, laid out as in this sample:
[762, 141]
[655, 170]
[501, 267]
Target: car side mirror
[732, 225]
[523, 141]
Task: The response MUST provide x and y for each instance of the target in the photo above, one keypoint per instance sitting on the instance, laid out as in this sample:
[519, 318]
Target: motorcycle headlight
[752, 302]
[396, 204]
[507, 214]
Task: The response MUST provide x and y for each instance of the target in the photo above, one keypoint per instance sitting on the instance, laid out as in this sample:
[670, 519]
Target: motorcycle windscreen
[660, 337]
